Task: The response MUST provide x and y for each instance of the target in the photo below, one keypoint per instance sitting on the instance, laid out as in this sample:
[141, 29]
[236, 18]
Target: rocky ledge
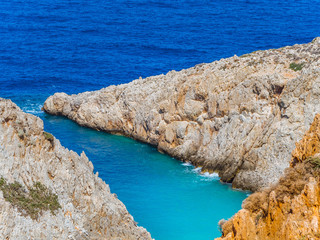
[238, 116]
[49, 192]
[290, 209]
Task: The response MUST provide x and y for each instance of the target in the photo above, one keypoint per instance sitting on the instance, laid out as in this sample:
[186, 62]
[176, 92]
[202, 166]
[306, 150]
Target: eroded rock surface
[290, 209]
[88, 209]
[239, 116]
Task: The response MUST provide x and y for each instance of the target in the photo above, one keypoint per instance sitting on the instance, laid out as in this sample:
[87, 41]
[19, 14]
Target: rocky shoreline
[239, 116]
[288, 209]
[34, 167]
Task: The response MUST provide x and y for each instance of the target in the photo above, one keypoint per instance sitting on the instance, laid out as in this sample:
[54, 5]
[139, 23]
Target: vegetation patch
[258, 216]
[32, 201]
[48, 136]
[290, 185]
[315, 161]
[245, 55]
[296, 66]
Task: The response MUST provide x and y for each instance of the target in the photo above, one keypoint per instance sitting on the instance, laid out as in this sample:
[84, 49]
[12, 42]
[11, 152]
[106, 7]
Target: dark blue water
[76, 45]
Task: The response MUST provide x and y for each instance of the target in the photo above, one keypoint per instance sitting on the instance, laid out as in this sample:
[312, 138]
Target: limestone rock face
[309, 145]
[289, 210]
[296, 218]
[239, 116]
[88, 209]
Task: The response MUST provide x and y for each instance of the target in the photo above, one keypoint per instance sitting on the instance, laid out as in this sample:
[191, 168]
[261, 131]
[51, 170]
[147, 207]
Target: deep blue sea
[73, 46]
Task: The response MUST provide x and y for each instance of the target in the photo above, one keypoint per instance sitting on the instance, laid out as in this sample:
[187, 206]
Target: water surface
[169, 198]
[73, 46]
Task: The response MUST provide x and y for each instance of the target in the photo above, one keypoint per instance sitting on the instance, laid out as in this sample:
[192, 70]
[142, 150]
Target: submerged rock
[290, 209]
[31, 157]
[239, 116]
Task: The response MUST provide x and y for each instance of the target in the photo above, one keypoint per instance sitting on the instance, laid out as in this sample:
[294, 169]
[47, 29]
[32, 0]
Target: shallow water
[169, 198]
[73, 46]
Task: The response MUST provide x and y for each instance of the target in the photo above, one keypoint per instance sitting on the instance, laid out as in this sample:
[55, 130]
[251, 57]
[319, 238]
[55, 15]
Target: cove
[170, 199]
[74, 46]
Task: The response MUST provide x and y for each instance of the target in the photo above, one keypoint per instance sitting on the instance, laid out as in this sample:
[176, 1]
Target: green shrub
[258, 216]
[32, 201]
[2, 182]
[296, 66]
[48, 136]
[245, 55]
[315, 161]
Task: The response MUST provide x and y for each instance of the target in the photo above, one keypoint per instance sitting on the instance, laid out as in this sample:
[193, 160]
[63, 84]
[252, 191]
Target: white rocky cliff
[83, 206]
[239, 116]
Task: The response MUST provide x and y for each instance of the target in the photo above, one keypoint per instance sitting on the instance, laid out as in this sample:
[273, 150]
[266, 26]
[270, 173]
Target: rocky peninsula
[289, 209]
[49, 192]
[238, 116]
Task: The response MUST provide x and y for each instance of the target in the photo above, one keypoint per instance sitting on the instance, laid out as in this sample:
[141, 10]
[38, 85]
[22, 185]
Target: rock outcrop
[239, 116]
[87, 209]
[290, 209]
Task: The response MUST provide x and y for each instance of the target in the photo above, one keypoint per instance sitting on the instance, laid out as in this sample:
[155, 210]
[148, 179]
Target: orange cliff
[290, 209]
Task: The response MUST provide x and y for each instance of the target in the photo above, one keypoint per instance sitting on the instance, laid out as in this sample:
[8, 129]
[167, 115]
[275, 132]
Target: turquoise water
[73, 46]
[169, 198]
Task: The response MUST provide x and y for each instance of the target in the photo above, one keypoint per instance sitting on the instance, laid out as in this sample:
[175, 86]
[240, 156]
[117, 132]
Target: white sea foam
[32, 108]
[197, 170]
[187, 164]
[206, 176]
[210, 176]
